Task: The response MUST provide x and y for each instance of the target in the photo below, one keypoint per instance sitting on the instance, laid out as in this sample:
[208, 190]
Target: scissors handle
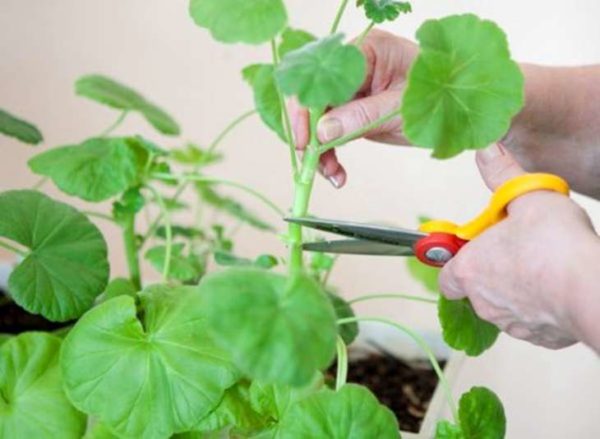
[445, 239]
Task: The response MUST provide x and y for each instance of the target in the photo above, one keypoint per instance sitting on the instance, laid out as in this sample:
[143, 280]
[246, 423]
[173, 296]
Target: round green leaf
[66, 267]
[293, 39]
[351, 412]
[463, 89]
[343, 310]
[148, 378]
[447, 430]
[32, 401]
[109, 92]
[96, 170]
[19, 129]
[277, 329]
[463, 330]
[323, 73]
[481, 415]
[182, 267]
[385, 10]
[234, 21]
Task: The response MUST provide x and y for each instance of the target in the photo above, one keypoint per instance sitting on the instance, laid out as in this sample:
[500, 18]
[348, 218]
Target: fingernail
[491, 153]
[334, 180]
[330, 129]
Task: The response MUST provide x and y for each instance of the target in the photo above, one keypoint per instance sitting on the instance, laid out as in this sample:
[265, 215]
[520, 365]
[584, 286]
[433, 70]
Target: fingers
[358, 114]
[300, 121]
[332, 170]
[450, 283]
[497, 165]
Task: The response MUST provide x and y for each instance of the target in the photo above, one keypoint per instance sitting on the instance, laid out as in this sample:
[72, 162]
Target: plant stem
[166, 218]
[202, 179]
[338, 17]
[285, 117]
[392, 296]
[13, 249]
[131, 250]
[364, 35]
[359, 133]
[342, 364]
[41, 182]
[115, 125]
[228, 129]
[99, 215]
[303, 190]
[423, 345]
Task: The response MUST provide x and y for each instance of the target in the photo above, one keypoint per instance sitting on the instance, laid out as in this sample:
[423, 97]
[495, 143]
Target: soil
[405, 388]
[14, 320]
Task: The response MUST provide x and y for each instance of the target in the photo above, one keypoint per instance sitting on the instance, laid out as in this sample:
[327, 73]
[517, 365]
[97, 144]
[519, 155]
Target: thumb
[357, 114]
[497, 165]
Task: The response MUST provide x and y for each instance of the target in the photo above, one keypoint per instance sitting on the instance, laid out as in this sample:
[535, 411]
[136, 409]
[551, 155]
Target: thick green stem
[393, 296]
[131, 250]
[115, 125]
[423, 345]
[342, 364]
[338, 16]
[13, 249]
[228, 129]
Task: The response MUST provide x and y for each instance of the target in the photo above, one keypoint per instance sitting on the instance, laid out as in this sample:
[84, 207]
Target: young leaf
[109, 92]
[343, 310]
[379, 11]
[323, 73]
[426, 275]
[463, 330]
[194, 155]
[96, 170]
[119, 287]
[277, 329]
[167, 373]
[481, 416]
[183, 268]
[66, 266]
[12, 126]
[230, 206]
[234, 21]
[293, 39]
[261, 78]
[183, 231]
[227, 259]
[353, 411]
[463, 89]
[33, 403]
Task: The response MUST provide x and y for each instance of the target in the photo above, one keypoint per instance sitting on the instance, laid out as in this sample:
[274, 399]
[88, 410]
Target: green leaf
[385, 10]
[481, 416]
[119, 287]
[261, 78]
[293, 39]
[167, 373]
[100, 431]
[66, 267]
[228, 259]
[277, 329]
[230, 207]
[4, 338]
[351, 412]
[183, 231]
[266, 262]
[96, 170]
[32, 401]
[463, 330]
[463, 89]
[109, 92]
[426, 275]
[324, 73]
[182, 267]
[343, 310]
[194, 155]
[234, 21]
[24, 131]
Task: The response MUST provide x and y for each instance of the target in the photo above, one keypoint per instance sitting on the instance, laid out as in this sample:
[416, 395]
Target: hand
[526, 274]
[388, 59]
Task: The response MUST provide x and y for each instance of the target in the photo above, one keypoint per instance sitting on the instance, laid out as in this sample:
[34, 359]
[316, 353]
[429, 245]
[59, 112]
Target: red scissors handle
[438, 248]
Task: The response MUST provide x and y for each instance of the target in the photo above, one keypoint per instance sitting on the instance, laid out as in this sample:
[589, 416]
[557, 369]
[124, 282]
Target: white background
[153, 45]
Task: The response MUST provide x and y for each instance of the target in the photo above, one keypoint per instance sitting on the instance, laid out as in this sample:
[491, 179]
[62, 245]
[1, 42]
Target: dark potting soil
[404, 388]
[15, 320]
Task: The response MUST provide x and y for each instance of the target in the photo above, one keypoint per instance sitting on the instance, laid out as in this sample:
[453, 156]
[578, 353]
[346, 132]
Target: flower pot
[376, 339]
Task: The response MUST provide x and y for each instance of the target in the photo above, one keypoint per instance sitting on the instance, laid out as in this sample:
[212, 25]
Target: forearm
[559, 129]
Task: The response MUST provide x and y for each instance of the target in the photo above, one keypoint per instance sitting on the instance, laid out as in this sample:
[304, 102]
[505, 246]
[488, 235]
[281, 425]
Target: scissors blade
[358, 247]
[367, 232]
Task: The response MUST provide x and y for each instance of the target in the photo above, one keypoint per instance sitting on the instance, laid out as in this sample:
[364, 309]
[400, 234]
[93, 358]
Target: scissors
[436, 242]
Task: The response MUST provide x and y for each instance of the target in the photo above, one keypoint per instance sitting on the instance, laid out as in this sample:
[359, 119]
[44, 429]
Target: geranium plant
[239, 352]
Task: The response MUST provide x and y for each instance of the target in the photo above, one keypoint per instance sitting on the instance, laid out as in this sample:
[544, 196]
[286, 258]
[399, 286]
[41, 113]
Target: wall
[151, 44]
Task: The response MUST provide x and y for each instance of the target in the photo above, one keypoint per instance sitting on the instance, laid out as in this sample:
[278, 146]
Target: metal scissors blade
[365, 232]
[358, 247]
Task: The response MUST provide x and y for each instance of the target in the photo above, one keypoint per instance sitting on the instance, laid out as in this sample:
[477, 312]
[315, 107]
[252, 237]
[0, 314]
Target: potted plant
[240, 351]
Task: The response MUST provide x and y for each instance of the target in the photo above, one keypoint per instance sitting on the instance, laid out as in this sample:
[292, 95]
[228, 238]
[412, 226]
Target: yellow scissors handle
[496, 211]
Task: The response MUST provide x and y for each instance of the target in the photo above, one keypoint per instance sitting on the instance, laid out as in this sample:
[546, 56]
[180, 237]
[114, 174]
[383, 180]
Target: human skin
[534, 274]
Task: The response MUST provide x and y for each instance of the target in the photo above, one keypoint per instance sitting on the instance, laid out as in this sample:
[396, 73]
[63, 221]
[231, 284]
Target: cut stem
[338, 17]
[131, 250]
[115, 125]
[342, 364]
[392, 296]
[228, 129]
[423, 345]
[13, 249]
[361, 38]
[359, 133]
